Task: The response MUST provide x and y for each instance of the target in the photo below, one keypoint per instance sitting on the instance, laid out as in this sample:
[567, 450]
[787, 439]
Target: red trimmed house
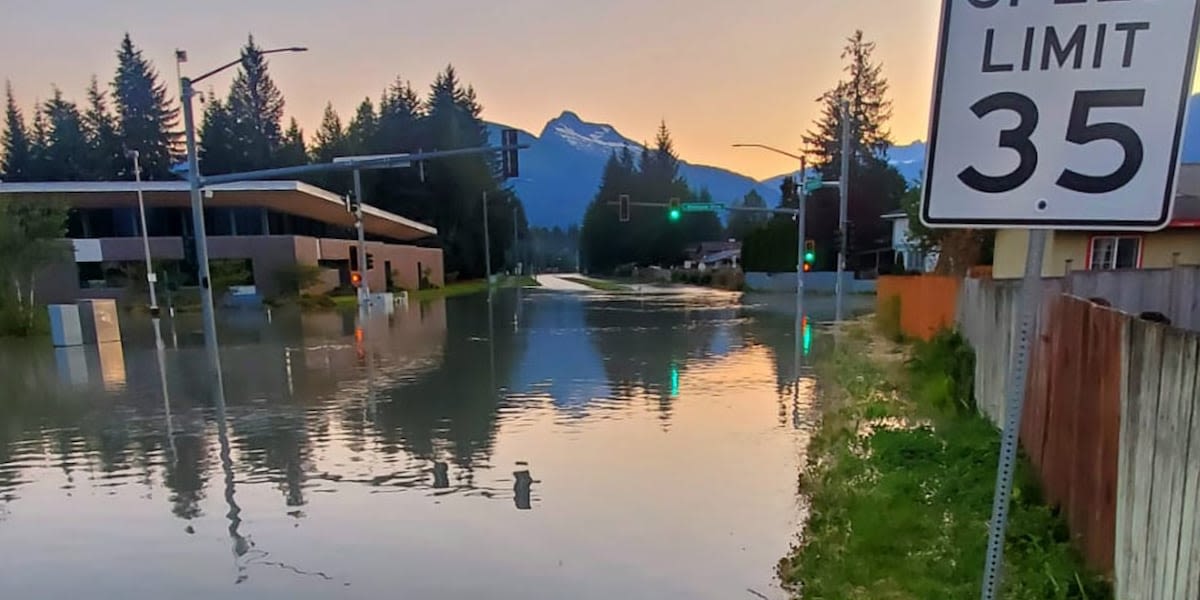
[1178, 244]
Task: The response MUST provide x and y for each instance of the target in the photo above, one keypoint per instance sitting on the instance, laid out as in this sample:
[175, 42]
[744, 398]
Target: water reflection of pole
[160, 354]
[491, 345]
[240, 544]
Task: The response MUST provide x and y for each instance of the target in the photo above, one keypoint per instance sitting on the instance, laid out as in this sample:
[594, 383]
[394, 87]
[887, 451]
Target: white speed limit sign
[1059, 113]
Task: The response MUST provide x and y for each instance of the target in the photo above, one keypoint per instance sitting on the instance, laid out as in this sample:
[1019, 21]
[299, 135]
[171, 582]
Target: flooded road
[554, 446]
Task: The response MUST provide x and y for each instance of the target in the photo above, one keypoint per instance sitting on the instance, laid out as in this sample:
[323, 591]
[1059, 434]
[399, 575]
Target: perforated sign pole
[1054, 114]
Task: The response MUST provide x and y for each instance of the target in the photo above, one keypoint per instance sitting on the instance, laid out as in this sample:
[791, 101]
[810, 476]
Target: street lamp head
[297, 49]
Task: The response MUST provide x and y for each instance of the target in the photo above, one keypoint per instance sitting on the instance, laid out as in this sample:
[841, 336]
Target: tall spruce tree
[256, 106]
[218, 152]
[864, 92]
[105, 158]
[875, 187]
[360, 134]
[39, 141]
[16, 152]
[66, 147]
[454, 121]
[146, 119]
[292, 152]
[329, 142]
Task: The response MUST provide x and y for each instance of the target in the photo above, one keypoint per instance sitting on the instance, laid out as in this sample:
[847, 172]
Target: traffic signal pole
[364, 290]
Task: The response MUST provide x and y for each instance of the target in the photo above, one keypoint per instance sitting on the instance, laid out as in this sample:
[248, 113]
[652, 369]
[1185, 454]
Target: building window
[1115, 252]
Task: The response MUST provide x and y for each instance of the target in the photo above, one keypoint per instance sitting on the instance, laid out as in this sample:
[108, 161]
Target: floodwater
[545, 446]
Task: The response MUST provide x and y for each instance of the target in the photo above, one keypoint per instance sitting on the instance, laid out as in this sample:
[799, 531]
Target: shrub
[295, 279]
[942, 371]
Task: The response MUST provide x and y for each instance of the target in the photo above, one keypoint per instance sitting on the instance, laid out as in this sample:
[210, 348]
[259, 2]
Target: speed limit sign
[1059, 114]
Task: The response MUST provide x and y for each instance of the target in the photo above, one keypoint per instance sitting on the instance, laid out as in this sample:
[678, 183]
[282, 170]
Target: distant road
[557, 283]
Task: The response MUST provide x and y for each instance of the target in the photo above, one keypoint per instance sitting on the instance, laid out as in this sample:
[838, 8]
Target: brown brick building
[264, 228]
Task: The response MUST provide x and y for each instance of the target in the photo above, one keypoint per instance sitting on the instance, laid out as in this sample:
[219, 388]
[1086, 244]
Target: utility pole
[516, 247]
[487, 243]
[801, 215]
[364, 290]
[843, 203]
[151, 277]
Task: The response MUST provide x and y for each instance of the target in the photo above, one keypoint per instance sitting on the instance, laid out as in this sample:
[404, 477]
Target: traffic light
[675, 210]
[623, 207]
[355, 279]
[837, 241]
[810, 252]
[370, 261]
[849, 237]
[509, 157]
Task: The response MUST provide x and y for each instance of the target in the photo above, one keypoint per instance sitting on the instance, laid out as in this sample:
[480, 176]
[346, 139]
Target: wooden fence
[1110, 424]
[1158, 531]
[927, 302]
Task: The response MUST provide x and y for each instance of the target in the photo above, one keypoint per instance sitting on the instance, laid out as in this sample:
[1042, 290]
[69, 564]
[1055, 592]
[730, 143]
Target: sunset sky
[718, 72]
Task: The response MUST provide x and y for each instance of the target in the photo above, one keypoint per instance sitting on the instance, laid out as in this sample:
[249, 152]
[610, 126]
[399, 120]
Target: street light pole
[487, 244]
[186, 92]
[843, 206]
[207, 310]
[151, 277]
[801, 215]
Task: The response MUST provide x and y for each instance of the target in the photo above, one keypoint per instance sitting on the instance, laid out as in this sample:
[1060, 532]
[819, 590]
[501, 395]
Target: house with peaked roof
[1084, 250]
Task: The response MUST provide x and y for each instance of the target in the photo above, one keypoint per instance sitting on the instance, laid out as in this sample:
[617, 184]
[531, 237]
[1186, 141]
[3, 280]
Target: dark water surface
[566, 447]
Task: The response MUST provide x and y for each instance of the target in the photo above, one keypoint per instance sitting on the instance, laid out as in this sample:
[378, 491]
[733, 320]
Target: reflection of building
[266, 227]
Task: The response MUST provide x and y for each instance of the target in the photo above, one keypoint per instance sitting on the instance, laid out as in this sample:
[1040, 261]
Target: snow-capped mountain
[561, 170]
[560, 173]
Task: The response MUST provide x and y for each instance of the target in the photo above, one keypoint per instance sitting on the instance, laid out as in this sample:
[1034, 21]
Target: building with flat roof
[262, 228]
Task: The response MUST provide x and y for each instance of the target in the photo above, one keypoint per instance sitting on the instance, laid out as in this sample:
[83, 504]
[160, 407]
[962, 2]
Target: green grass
[598, 284]
[902, 512]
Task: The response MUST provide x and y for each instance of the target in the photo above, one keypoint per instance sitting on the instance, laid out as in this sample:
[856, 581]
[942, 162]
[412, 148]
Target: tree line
[243, 130]
[649, 237]
[769, 242]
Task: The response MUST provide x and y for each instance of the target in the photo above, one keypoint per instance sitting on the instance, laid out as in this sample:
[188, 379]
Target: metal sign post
[1054, 115]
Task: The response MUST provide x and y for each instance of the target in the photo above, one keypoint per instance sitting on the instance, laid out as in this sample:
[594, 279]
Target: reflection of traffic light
[806, 328]
[674, 381]
[674, 210]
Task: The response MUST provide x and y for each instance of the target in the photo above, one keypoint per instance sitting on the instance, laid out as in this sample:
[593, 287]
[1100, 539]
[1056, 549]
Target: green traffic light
[810, 257]
[675, 214]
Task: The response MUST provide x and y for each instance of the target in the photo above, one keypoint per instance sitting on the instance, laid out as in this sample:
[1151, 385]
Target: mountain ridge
[562, 168]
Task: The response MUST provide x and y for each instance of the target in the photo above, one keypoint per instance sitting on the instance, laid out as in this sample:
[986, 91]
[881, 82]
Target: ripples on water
[558, 446]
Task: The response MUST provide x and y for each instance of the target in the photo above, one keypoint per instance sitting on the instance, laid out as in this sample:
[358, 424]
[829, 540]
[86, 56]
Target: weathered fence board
[1112, 419]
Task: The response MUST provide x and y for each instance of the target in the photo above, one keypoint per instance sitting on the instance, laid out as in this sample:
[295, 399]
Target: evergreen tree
[256, 106]
[292, 152]
[399, 119]
[456, 185]
[742, 223]
[875, 187]
[218, 149]
[16, 152]
[66, 148]
[105, 157]
[864, 93]
[39, 141]
[146, 120]
[360, 135]
[329, 142]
